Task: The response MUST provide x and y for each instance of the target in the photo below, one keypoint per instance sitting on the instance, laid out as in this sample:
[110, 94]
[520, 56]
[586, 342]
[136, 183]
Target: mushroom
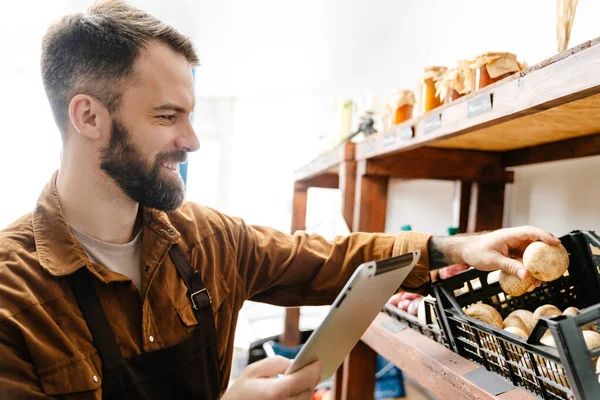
[517, 331]
[515, 286]
[547, 310]
[512, 321]
[485, 313]
[545, 262]
[571, 311]
[526, 316]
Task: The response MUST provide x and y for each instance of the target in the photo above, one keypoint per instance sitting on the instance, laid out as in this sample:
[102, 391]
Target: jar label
[479, 105]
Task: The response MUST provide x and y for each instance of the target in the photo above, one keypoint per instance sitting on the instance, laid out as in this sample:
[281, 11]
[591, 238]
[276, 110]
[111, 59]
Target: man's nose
[188, 139]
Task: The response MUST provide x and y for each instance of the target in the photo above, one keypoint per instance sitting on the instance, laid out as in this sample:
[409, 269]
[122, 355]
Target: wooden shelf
[327, 163]
[436, 368]
[554, 101]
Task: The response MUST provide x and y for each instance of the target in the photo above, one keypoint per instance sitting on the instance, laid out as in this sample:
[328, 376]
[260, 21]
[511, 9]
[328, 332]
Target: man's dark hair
[93, 53]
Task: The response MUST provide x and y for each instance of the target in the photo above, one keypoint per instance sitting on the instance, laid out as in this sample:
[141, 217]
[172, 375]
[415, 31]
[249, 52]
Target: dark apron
[189, 369]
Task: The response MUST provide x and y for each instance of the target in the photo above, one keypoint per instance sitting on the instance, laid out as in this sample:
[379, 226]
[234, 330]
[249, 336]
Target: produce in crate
[545, 262]
[413, 308]
[395, 299]
[516, 322]
[403, 304]
[399, 297]
[549, 370]
[452, 270]
[547, 310]
[422, 313]
[574, 311]
[517, 331]
[592, 340]
[515, 286]
[538, 369]
[526, 316]
[485, 313]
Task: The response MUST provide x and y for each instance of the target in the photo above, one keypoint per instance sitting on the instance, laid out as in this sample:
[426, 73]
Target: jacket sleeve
[18, 379]
[305, 269]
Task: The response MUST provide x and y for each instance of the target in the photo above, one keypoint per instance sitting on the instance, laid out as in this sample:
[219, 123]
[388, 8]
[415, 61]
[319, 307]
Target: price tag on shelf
[479, 105]
[432, 123]
[369, 145]
[406, 132]
[389, 138]
[393, 325]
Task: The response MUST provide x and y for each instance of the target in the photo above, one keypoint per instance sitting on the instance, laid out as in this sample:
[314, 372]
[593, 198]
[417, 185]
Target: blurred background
[272, 73]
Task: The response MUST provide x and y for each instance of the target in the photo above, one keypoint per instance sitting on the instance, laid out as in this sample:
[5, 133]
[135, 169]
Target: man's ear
[89, 117]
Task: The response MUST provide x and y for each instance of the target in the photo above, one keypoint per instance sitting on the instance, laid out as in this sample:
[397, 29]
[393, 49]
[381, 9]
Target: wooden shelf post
[359, 370]
[486, 208]
[371, 200]
[291, 331]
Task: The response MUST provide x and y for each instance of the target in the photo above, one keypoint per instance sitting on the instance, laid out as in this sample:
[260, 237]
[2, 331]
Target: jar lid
[433, 71]
[457, 78]
[498, 64]
[496, 54]
[402, 98]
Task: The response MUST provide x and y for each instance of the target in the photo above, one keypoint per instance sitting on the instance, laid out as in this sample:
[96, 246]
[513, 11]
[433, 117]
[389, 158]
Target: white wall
[558, 196]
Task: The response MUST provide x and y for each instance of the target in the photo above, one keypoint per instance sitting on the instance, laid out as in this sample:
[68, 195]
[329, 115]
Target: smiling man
[114, 286]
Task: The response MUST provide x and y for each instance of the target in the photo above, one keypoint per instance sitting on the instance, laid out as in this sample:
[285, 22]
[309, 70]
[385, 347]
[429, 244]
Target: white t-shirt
[122, 258]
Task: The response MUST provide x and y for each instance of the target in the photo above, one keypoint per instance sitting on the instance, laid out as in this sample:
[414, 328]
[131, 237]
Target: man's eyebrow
[170, 107]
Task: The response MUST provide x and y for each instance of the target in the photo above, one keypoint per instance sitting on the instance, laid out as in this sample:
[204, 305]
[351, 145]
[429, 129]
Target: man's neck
[95, 205]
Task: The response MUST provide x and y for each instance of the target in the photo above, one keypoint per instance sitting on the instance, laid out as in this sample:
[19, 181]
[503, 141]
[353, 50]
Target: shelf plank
[567, 149]
[436, 368]
[443, 164]
[328, 162]
[553, 101]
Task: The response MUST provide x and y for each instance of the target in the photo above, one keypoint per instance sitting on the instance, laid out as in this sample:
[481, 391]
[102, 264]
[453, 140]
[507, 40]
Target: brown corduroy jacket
[46, 349]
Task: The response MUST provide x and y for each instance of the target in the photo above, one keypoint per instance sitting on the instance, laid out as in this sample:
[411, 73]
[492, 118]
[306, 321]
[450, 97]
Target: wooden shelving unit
[548, 112]
[334, 169]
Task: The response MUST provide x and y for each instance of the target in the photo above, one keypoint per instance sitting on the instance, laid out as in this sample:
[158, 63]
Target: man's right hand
[256, 381]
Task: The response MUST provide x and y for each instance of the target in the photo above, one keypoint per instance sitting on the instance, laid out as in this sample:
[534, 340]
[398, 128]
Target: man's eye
[167, 117]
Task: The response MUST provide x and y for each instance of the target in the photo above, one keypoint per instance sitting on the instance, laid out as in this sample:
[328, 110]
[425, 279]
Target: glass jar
[429, 98]
[399, 108]
[452, 95]
[489, 68]
[402, 103]
[455, 82]
[402, 113]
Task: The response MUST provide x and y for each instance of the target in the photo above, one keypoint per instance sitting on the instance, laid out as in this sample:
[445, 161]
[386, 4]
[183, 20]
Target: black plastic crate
[428, 328]
[544, 371]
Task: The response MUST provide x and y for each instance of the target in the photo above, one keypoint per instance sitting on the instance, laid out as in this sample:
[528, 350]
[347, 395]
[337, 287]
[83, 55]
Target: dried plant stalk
[565, 14]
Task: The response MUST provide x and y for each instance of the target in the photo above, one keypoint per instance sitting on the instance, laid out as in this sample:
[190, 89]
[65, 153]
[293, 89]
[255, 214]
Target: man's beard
[125, 164]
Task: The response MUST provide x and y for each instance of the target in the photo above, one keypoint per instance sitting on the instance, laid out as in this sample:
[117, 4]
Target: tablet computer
[354, 309]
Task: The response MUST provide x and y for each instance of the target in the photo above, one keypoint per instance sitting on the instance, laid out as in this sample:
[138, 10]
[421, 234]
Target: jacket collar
[59, 252]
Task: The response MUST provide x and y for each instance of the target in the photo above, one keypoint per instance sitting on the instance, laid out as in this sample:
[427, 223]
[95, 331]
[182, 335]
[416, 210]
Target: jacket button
[151, 339]
[95, 378]
[171, 232]
[147, 268]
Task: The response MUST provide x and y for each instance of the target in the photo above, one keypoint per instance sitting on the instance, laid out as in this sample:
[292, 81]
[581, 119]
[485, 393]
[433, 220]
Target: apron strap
[198, 293]
[82, 287]
[201, 301]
